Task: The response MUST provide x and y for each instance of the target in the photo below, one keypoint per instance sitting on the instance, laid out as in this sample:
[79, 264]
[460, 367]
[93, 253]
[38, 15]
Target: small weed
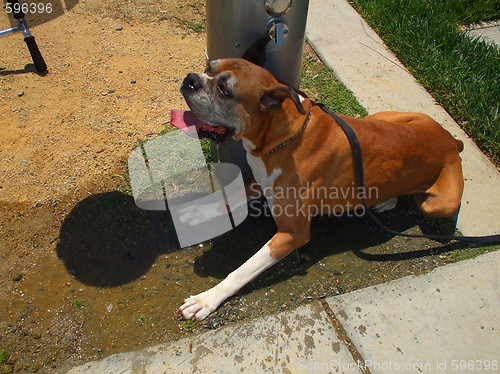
[194, 27]
[468, 253]
[78, 303]
[36, 368]
[6, 369]
[206, 147]
[48, 359]
[190, 326]
[19, 277]
[4, 356]
[142, 319]
[197, 6]
[123, 179]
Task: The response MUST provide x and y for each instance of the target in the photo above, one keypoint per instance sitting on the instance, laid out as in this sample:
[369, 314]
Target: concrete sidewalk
[439, 322]
[487, 31]
[445, 321]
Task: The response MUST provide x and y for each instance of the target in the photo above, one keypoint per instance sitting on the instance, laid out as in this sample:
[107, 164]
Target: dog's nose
[192, 82]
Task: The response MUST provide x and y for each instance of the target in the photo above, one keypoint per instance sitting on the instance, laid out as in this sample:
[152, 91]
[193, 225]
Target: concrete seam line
[342, 335]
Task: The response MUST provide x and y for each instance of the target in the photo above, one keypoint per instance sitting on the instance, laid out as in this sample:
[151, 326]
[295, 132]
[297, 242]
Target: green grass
[321, 85]
[462, 73]
[193, 27]
[142, 319]
[466, 12]
[468, 253]
[190, 326]
[78, 303]
[4, 358]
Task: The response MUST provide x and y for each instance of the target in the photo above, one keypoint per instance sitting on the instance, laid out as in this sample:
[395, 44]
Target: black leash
[358, 165]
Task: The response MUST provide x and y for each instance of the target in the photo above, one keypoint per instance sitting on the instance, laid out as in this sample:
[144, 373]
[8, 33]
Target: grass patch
[466, 12]
[462, 73]
[4, 358]
[321, 85]
[193, 27]
[142, 319]
[468, 253]
[190, 326]
[78, 303]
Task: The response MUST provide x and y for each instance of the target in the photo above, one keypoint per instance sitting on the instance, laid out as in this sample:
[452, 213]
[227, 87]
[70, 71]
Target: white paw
[386, 205]
[196, 214]
[200, 306]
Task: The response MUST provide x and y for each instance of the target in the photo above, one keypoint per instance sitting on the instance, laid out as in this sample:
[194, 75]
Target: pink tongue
[182, 119]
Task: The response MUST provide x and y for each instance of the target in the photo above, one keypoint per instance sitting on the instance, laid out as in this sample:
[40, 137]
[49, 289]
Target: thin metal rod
[10, 31]
[23, 25]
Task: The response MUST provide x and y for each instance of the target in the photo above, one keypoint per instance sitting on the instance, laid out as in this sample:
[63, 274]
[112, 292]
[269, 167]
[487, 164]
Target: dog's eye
[223, 89]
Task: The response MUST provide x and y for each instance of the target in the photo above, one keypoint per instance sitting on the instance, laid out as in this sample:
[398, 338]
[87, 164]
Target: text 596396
[27, 8]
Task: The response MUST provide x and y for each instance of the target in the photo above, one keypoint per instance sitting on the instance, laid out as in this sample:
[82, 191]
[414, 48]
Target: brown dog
[302, 160]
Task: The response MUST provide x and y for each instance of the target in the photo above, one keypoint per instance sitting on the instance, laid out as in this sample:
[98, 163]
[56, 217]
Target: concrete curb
[265, 345]
[487, 31]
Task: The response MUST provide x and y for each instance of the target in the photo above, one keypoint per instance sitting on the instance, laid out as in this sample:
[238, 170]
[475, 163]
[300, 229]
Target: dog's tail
[460, 145]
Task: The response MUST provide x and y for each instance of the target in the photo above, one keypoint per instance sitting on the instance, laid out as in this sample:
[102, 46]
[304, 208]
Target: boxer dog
[292, 144]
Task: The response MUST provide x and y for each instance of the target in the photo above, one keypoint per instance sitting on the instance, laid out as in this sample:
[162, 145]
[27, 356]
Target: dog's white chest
[265, 180]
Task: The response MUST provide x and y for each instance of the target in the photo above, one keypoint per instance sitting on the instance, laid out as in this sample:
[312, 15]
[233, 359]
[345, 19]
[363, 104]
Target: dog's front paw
[196, 214]
[200, 306]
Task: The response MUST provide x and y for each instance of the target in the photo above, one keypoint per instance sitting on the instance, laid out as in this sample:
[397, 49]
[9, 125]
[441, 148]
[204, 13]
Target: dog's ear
[273, 98]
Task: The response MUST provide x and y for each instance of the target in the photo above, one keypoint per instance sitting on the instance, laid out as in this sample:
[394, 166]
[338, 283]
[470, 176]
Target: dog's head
[232, 95]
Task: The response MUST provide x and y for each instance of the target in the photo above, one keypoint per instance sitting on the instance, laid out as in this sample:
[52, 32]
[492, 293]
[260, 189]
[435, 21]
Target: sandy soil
[114, 69]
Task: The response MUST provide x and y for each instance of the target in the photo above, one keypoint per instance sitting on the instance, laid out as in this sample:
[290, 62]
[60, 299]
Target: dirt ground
[114, 69]
[83, 272]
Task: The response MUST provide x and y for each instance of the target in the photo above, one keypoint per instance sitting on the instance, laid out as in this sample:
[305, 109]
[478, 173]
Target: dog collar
[294, 136]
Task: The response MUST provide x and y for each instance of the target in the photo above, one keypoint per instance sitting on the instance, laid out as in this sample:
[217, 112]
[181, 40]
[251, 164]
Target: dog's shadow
[106, 240]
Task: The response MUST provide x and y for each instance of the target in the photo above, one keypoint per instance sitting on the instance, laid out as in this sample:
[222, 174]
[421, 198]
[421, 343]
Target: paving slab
[488, 31]
[442, 322]
[359, 58]
[299, 341]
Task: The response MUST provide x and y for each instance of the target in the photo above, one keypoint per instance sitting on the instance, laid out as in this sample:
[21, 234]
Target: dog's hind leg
[443, 198]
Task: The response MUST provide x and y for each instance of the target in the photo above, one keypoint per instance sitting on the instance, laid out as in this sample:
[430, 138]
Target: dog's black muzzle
[191, 83]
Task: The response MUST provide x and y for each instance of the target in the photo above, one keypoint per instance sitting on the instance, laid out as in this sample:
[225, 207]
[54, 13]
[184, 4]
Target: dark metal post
[268, 32]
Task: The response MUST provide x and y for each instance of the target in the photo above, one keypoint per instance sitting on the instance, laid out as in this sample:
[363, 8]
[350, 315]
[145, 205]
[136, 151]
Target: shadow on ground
[42, 11]
[107, 241]
[329, 236]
